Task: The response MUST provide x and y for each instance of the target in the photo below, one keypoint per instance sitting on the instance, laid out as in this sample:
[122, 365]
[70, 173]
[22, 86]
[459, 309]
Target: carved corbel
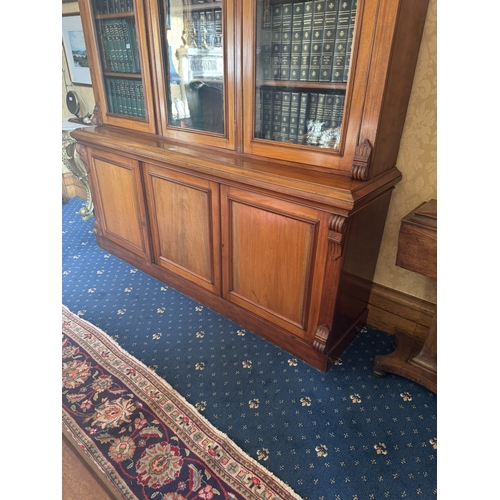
[83, 155]
[97, 115]
[362, 161]
[336, 226]
[320, 338]
[336, 230]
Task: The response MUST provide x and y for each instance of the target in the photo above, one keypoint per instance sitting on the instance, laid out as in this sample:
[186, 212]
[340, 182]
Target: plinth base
[407, 362]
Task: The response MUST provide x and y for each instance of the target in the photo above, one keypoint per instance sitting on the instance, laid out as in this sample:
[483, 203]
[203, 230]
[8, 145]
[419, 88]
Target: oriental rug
[142, 435]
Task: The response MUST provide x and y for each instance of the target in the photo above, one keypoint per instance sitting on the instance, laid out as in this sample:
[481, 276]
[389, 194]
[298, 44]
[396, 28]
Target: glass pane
[195, 73]
[119, 51]
[303, 54]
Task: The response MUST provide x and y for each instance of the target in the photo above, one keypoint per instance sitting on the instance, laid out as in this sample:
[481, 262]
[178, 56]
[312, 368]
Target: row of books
[308, 41]
[119, 45]
[113, 6]
[287, 116]
[125, 97]
[205, 28]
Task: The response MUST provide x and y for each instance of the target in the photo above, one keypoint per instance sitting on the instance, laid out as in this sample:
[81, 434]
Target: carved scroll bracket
[321, 337]
[83, 155]
[362, 161]
[97, 115]
[336, 228]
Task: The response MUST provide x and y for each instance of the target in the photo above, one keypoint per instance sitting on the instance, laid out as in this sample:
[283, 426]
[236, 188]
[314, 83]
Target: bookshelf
[253, 170]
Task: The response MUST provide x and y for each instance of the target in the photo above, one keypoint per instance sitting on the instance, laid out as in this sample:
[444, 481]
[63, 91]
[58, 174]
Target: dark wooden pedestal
[417, 251]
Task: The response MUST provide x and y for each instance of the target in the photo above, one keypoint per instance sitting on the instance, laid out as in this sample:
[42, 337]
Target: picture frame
[75, 50]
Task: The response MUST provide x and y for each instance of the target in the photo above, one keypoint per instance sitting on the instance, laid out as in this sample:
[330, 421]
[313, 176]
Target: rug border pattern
[153, 390]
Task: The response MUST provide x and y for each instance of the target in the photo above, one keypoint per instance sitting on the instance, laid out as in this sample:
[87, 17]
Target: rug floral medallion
[142, 435]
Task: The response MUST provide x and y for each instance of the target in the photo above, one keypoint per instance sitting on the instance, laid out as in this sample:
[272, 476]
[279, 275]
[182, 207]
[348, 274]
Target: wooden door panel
[121, 204]
[185, 225]
[272, 258]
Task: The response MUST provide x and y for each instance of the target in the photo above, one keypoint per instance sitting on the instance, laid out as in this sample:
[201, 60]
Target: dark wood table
[417, 252]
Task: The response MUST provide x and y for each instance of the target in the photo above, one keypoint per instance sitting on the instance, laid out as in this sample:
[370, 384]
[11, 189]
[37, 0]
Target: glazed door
[274, 256]
[119, 202]
[196, 82]
[116, 40]
[184, 218]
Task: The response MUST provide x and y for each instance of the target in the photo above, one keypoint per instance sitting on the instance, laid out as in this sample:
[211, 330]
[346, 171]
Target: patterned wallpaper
[417, 161]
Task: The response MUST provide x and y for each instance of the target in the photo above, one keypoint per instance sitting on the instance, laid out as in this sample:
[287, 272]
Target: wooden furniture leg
[412, 360]
[417, 252]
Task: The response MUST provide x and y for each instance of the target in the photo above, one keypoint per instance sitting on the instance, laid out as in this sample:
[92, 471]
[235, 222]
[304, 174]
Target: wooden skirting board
[72, 187]
[393, 311]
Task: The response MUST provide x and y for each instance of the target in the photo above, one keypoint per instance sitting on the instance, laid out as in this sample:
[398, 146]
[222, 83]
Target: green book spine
[99, 6]
[338, 110]
[318, 20]
[303, 112]
[109, 95]
[133, 98]
[330, 26]
[286, 41]
[115, 27]
[328, 111]
[122, 97]
[297, 27]
[132, 106]
[110, 44]
[276, 44]
[116, 96]
[285, 115]
[305, 56]
[277, 106]
[132, 47]
[267, 113]
[140, 99]
[257, 132]
[313, 107]
[127, 108]
[320, 111]
[104, 45]
[121, 30]
[294, 117]
[265, 44]
[341, 35]
[350, 39]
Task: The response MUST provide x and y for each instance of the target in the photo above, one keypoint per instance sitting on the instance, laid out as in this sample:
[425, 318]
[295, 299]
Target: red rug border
[162, 386]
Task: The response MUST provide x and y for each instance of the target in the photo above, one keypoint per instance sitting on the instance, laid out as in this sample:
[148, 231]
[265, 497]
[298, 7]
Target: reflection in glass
[195, 75]
[303, 55]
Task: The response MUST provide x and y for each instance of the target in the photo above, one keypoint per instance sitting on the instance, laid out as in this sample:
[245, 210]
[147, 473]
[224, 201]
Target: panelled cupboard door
[117, 50]
[274, 256]
[184, 218]
[119, 199]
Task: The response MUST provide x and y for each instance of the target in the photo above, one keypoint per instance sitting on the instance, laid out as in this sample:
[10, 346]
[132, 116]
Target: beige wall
[417, 159]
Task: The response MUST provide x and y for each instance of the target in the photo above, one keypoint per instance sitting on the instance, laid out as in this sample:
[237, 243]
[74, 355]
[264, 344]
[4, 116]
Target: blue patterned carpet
[342, 435]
